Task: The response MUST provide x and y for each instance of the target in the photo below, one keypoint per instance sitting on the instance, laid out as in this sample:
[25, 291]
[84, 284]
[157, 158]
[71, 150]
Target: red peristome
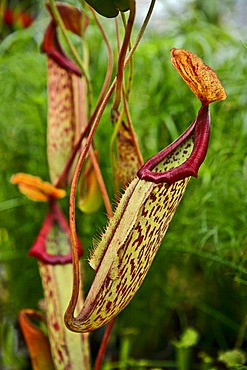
[53, 49]
[201, 129]
[39, 248]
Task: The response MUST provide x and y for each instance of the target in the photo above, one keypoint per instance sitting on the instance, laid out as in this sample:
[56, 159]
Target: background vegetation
[199, 276]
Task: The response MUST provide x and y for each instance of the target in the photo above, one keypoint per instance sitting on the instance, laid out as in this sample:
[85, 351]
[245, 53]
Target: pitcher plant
[150, 191]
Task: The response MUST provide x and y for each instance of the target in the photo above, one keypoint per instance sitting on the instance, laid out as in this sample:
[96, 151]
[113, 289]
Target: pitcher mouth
[199, 130]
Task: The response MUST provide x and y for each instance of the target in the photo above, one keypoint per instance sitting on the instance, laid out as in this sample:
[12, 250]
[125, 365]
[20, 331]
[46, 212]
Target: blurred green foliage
[199, 277]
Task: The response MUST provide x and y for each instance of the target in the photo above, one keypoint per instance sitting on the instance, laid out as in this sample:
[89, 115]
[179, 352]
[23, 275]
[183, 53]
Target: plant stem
[100, 355]
[130, 55]
[117, 35]
[130, 64]
[70, 161]
[141, 32]
[110, 63]
[241, 333]
[122, 54]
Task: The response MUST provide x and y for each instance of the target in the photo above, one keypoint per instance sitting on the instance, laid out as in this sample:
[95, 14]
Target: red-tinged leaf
[52, 245]
[37, 342]
[35, 188]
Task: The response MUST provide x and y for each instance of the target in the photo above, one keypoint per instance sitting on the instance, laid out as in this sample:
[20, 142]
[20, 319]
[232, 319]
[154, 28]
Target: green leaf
[109, 8]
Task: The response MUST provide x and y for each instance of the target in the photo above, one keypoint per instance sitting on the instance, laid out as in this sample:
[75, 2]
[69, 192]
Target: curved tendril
[69, 314]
